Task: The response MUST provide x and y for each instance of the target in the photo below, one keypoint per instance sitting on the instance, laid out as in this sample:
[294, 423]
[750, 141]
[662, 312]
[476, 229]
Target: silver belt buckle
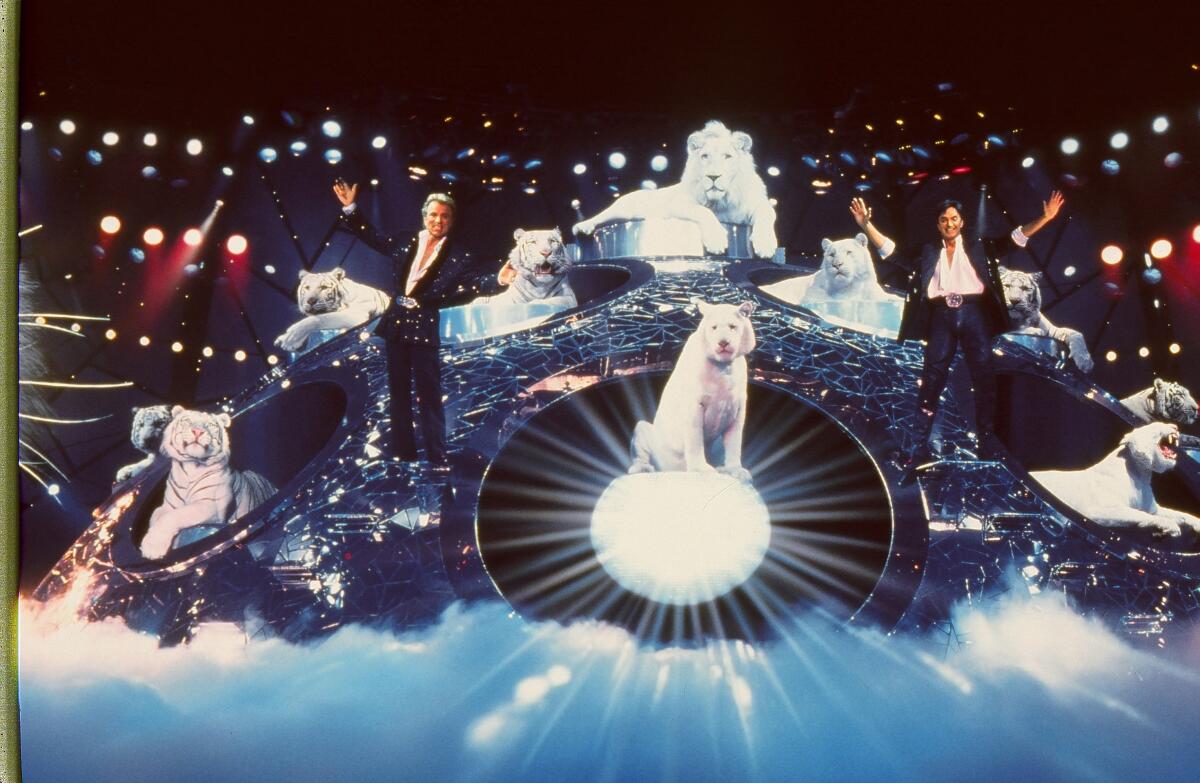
[954, 301]
[407, 302]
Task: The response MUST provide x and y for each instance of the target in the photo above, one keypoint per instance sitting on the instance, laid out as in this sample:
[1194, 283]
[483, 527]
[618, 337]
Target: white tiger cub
[330, 300]
[146, 435]
[1024, 298]
[1116, 491]
[201, 488]
[700, 417]
[1164, 401]
[541, 264]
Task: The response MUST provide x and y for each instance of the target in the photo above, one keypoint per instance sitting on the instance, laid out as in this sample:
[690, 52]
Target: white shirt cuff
[1019, 238]
[349, 208]
[887, 248]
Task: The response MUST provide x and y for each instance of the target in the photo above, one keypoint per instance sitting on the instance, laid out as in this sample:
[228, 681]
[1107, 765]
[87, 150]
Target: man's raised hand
[345, 193]
[860, 211]
[1050, 208]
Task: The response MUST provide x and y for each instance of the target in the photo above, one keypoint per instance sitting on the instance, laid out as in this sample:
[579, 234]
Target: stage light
[333, 156]
[579, 168]
[110, 334]
[269, 269]
[1069, 146]
[206, 351]
[659, 163]
[921, 152]
[680, 538]
[143, 341]
[1196, 234]
[272, 360]
[53, 489]
[532, 163]
[193, 237]
[1152, 276]
[26, 125]
[94, 157]
[617, 160]
[67, 127]
[194, 147]
[1160, 124]
[1172, 160]
[1119, 140]
[649, 184]
[176, 347]
[1161, 248]
[1110, 167]
[1111, 356]
[247, 119]
[267, 154]
[1111, 255]
[374, 182]
[298, 146]
[1027, 163]
[236, 244]
[239, 355]
[810, 161]
[110, 224]
[1069, 272]
[137, 255]
[110, 138]
[331, 128]
[150, 139]
[1174, 348]
[773, 171]
[149, 172]
[227, 171]
[1143, 352]
[884, 156]
[379, 142]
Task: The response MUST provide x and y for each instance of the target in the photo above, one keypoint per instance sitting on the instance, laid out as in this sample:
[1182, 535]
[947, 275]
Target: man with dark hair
[955, 297]
[430, 273]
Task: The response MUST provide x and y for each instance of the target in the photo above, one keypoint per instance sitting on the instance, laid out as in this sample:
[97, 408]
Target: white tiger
[846, 275]
[201, 488]
[541, 264]
[719, 185]
[1116, 491]
[702, 412]
[330, 300]
[146, 436]
[1164, 401]
[1024, 298]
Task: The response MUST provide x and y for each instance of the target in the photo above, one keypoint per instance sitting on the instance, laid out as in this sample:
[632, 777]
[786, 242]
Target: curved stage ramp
[541, 419]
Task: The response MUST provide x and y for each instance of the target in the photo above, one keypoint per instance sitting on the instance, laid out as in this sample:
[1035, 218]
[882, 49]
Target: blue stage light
[267, 154]
[617, 160]
[449, 176]
[299, 146]
[149, 172]
[94, 157]
[810, 161]
[1152, 276]
[1110, 166]
[331, 128]
[530, 164]
[921, 152]
[137, 255]
[659, 163]
[1173, 160]
[333, 156]
[1069, 145]
[1119, 140]
[884, 156]
[649, 184]
[502, 159]
[848, 158]
[996, 141]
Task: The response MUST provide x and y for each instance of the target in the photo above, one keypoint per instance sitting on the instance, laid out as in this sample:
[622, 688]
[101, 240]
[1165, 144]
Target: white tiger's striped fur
[330, 300]
[201, 488]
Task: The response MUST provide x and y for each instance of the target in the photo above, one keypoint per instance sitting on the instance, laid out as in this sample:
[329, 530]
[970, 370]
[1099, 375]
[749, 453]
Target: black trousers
[948, 329]
[416, 364]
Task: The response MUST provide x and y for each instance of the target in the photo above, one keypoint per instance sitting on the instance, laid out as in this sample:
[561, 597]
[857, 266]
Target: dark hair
[950, 202]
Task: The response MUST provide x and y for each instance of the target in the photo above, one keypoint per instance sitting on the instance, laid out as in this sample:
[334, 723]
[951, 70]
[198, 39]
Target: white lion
[719, 185]
[146, 435]
[1024, 298]
[330, 300]
[702, 411]
[1164, 401]
[541, 263]
[1116, 491]
[201, 488]
[846, 275]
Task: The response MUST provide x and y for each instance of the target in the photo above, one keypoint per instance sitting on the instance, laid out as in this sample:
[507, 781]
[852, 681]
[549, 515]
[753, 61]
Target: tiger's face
[148, 426]
[321, 292]
[716, 157]
[539, 255]
[726, 330]
[1021, 293]
[1154, 446]
[1173, 402]
[197, 436]
[846, 263]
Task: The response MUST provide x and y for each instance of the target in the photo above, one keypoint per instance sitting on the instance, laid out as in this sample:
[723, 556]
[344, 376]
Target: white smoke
[1029, 691]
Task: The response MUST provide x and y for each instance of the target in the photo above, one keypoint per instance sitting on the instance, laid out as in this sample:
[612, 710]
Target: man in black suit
[955, 297]
[430, 273]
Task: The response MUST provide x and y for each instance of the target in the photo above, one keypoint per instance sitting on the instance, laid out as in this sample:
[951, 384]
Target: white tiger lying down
[1116, 491]
[201, 488]
[541, 264]
[330, 300]
[846, 275]
[1164, 401]
[146, 436]
[702, 411]
[1024, 298]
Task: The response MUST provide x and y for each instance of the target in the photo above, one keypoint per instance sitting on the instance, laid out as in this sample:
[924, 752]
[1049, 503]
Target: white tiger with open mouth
[1116, 491]
[330, 300]
[541, 264]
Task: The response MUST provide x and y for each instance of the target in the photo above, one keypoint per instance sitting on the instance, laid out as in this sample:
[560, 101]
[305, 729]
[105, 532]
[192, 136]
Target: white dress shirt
[958, 277]
[418, 270]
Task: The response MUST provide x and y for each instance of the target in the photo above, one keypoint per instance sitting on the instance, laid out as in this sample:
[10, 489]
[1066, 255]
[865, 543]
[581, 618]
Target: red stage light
[1196, 234]
[1161, 248]
[193, 237]
[236, 244]
[153, 236]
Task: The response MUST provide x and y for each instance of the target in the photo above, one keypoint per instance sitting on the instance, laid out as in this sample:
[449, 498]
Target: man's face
[950, 224]
[438, 219]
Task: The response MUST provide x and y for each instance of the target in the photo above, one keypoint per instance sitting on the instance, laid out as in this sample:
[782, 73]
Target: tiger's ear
[745, 309]
[742, 141]
[695, 141]
[1159, 386]
[557, 234]
[701, 305]
[1003, 270]
[223, 419]
[176, 410]
[861, 239]
[520, 232]
[826, 244]
[338, 273]
[1036, 277]
[303, 274]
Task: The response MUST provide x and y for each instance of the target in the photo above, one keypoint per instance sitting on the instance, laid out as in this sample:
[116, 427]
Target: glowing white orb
[176, 347]
[152, 236]
[580, 168]
[1027, 163]
[1174, 348]
[680, 538]
[1160, 124]
[773, 171]
[333, 156]
[239, 355]
[194, 147]
[649, 184]
[26, 125]
[617, 160]
[658, 163]
[53, 489]
[1111, 255]
[110, 224]
[110, 138]
[379, 142]
[67, 127]
[110, 334]
[236, 244]
[227, 171]
[1143, 352]
[1069, 146]
[331, 128]
[143, 341]
[1196, 234]
[1119, 140]
[1111, 356]
[207, 351]
[246, 118]
[267, 154]
[1161, 248]
[193, 237]
[150, 139]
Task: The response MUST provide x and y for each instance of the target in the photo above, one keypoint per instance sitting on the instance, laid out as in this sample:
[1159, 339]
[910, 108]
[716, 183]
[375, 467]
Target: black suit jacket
[983, 253]
[449, 281]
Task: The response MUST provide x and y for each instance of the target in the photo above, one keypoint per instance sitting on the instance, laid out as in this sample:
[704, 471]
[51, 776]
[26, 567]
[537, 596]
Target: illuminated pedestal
[680, 538]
